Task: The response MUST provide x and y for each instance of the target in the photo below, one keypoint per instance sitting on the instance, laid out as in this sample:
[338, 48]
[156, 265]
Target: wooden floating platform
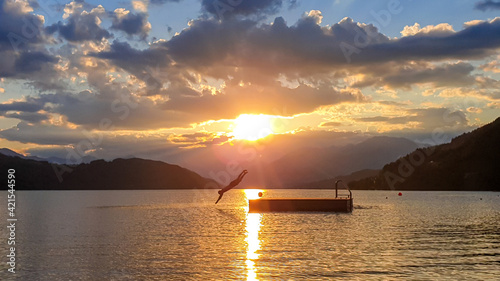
[343, 205]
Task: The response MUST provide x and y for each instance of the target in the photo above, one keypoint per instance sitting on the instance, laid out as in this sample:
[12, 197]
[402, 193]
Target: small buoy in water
[260, 194]
[480, 198]
[386, 197]
[400, 194]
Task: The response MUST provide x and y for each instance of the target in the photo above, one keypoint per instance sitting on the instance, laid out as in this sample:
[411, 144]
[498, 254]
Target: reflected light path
[252, 229]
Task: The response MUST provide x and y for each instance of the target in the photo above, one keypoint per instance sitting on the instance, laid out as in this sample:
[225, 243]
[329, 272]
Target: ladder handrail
[347, 187]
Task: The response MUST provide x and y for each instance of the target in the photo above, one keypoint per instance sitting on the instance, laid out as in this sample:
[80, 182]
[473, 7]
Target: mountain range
[469, 162]
[315, 164]
[101, 175]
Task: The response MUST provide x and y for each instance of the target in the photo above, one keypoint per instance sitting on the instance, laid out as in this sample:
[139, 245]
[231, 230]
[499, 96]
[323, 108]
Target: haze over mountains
[312, 164]
[469, 162]
[302, 165]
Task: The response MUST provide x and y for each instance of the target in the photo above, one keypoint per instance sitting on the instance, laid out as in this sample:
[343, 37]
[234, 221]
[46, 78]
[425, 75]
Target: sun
[252, 127]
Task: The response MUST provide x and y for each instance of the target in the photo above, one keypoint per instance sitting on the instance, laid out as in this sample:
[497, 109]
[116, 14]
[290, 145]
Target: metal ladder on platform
[350, 205]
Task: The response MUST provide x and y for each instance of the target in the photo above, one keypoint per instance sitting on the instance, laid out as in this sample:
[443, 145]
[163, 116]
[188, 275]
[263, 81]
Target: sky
[167, 79]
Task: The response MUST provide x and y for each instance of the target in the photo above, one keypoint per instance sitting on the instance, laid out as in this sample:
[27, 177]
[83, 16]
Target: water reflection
[252, 230]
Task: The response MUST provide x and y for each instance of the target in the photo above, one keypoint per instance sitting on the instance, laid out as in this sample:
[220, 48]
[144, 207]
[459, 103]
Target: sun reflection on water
[252, 228]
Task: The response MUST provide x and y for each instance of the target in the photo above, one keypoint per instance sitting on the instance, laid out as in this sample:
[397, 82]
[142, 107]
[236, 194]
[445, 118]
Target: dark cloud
[27, 110]
[225, 8]
[81, 26]
[443, 75]
[130, 23]
[42, 134]
[428, 119]
[148, 65]
[27, 116]
[331, 124]
[197, 139]
[264, 100]
[306, 50]
[475, 41]
[128, 58]
[487, 5]
[19, 29]
[35, 66]
[161, 2]
[32, 61]
[30, 105]
[307, 45]
[243, 42]
[22, 51]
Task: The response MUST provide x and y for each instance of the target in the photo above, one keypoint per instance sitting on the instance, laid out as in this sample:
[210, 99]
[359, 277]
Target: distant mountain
[468, 162]
[330, 183]
[118, 174]
[315, 164]
[12, 153]
[58, 160]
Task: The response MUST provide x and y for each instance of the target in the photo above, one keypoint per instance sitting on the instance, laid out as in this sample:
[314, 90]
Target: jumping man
[231, 185]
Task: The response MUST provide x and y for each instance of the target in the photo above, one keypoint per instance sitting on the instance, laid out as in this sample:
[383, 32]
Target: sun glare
[252, 127]
[253, 224]
[252, 193]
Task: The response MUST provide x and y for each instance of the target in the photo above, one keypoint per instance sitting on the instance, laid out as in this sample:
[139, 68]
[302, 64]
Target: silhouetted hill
[308, 165]
[468, 162]
[118, 174]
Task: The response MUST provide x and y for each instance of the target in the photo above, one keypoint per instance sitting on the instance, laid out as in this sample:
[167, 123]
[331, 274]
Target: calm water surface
[182, 235]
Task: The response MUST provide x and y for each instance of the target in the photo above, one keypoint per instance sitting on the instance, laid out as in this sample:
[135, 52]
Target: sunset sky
[157, 78]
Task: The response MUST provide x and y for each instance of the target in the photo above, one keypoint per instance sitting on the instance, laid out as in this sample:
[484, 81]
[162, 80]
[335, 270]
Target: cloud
[225, 8]
[237, 99]
[23, 54]
[30, 117]
[493, 66]
[441, 29]
[471, 92]
[439, 76]
[42, 134]
[197, 139]
[160, 2]
[149, 65]
[428, 119]
[487, 5]
[300, 48]
[307, 45]
[29, 105]
[130, 23]
[81, 25]
[236, 48]
[29, 62]
[37, 68]
[331, 124]
[476, 41]
[19, 28]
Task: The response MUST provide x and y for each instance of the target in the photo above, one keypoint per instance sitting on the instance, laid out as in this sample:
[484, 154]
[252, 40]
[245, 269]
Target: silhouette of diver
[231, 185]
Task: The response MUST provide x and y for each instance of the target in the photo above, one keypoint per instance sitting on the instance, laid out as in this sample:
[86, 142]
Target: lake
[183, 235]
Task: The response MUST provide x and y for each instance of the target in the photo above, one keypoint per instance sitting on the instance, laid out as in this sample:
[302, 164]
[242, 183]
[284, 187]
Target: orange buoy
[260, 194]
[400, 194]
